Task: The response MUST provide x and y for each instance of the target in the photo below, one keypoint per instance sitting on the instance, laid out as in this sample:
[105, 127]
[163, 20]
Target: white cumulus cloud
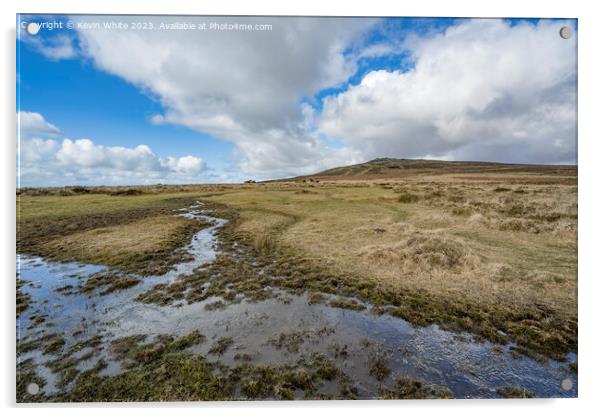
[31, 123]
[483, 90]
[186, 165]
[239, 86]
[54, 48]
[62, 161]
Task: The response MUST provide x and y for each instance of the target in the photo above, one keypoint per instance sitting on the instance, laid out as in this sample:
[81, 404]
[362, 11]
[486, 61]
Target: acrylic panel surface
[279, 208]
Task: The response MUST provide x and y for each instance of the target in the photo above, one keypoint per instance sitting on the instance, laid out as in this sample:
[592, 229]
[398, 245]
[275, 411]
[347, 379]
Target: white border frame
[589, 151]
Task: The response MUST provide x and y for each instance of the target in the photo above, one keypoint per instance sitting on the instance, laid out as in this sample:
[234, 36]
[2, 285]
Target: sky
[118, 100]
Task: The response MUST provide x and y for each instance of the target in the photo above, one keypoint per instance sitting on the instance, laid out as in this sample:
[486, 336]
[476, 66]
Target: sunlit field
[488, 254]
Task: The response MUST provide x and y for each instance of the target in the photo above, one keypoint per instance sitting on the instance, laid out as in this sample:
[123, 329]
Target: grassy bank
[137, 233]
[492, 256]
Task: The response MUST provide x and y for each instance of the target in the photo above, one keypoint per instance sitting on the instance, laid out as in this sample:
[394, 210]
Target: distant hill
[392, 168]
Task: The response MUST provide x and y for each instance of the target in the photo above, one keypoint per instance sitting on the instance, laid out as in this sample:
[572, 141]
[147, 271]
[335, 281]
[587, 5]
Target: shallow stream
[466, 367]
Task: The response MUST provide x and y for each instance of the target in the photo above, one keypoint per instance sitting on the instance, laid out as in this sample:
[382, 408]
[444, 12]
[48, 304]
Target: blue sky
[267, 120]
[88, 103]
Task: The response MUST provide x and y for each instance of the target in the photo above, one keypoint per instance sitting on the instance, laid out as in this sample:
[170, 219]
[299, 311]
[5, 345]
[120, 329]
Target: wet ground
[274, 331]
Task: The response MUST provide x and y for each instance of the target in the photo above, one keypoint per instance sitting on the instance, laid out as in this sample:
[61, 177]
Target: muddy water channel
[274, 331]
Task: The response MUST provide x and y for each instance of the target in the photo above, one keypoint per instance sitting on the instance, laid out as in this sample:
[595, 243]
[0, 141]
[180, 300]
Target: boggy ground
[131, 231]
[164, 369]
[495, 255]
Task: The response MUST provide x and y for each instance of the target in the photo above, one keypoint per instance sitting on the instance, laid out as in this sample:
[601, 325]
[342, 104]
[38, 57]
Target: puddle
[429, 354]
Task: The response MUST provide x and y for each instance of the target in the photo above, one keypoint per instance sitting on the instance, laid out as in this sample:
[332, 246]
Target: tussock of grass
[23, 299]
[345, 303]
[315, 297]
[514, 392]
[264, 244]
[124, 347]
[378, 366]
[220, 346]
[54, 344]
[292, 341]
[127, 192]
[62, 364]
[193, 338]
[132, 348]
[406, 388]
[243, 357]
[172, 375]
[215, 305]
[92, 342]
[408, 198]
[262, 382]
[425, 251]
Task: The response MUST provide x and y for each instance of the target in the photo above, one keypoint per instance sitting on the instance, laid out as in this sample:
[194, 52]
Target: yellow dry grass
[484, 241]
[117, 244]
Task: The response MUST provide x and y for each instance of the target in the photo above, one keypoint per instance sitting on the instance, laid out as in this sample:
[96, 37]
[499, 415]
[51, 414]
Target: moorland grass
[162, 370]
[463, 253]
[138, 233]
[466, 273]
